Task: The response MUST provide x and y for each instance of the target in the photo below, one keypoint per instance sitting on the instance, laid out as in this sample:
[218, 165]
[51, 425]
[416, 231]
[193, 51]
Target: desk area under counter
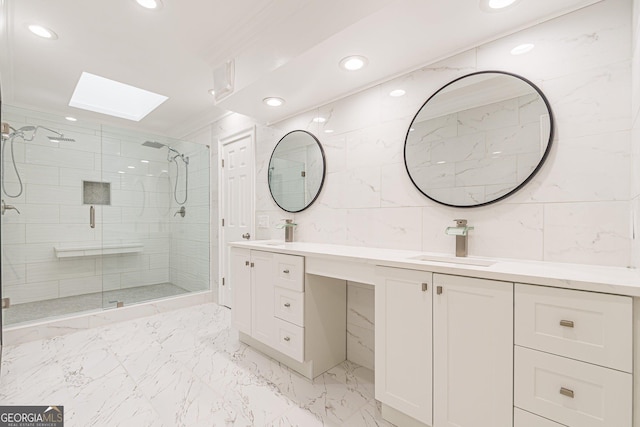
[477, 333]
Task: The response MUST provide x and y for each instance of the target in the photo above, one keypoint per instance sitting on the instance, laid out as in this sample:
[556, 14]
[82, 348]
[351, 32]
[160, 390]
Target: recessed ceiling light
[150, 4]
[496, 5]
[397, 92]
[102, 95]
[353, 63]
[144, 161]
[522, 49]
[319, 119]
[273, 101]
[71, 119]
[328, 131]
[43, 32]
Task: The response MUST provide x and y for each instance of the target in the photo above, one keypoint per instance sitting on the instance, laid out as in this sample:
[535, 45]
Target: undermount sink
[455, 260]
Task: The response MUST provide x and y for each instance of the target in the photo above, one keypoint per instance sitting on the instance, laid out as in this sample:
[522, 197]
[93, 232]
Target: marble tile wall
[576, 209]
[635, 133]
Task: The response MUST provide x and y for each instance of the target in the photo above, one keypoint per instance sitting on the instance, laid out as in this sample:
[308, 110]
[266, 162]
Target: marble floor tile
[180, 368]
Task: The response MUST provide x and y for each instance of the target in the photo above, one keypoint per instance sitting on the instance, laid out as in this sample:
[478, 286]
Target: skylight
[102, 95]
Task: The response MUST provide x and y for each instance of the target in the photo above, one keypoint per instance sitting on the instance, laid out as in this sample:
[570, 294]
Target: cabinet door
[262, 277]
[403, 341]
[473, 352]
[240, 282]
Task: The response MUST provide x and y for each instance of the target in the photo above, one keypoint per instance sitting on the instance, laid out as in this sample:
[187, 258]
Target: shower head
[154, 144]
[60, 139]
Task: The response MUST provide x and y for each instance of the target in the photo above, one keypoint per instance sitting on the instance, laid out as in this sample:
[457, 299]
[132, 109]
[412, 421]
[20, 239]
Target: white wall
[578, 207]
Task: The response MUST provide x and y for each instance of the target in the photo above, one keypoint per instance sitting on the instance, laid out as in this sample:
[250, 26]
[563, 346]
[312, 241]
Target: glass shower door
[50, 253]
[156, 229]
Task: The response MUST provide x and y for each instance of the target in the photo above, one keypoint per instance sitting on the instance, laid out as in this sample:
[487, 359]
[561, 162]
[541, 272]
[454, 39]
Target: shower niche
[96, 193]
[97, 228]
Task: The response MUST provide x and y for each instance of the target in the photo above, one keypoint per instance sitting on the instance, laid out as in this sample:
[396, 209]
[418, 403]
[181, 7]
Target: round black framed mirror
[479, 139]
[296, 171]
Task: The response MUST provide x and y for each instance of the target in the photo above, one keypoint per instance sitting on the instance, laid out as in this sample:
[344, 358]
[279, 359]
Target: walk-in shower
[94, 225]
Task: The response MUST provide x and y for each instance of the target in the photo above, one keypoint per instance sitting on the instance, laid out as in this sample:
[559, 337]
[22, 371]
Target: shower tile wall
[190, 262]
[52, 212]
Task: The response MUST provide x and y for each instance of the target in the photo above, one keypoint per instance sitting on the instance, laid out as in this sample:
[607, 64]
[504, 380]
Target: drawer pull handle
[285, 271]
[566, 392]
[425, 287]
[246, 263]
[289, 339]
[439, 290]
[286, 304]
[566, 323]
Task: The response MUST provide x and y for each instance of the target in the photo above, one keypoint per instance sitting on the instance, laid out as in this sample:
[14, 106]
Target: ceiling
[284, 48]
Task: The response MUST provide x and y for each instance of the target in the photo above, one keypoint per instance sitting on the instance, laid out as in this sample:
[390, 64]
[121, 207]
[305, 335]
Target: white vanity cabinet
[574, 356]
[296, 318]
[473, 352]
[444, 349]
[403, 341]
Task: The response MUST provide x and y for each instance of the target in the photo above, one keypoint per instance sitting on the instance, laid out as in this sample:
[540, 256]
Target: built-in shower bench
[96, 249]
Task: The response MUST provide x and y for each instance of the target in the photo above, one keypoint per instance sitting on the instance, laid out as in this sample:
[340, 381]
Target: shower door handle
[92, 217]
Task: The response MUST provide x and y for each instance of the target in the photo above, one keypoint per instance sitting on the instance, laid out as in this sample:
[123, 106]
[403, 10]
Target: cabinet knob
[439, 290]
[287, 339]
[566, 323]
[566, 392]
[425, 287]
[285, 271]
[286, 304]
[252, 264]
[246, 263]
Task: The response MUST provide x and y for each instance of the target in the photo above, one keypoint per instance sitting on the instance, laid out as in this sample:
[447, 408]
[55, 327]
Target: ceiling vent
[223, 78]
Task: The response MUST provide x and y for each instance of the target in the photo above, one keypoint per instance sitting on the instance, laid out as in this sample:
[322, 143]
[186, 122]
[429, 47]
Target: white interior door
[237, 211]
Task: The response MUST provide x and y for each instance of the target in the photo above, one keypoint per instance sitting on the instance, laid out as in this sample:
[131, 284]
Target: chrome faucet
[461, 231]
[288, 226]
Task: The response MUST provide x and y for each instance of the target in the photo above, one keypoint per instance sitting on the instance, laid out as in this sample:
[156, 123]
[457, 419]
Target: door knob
[246, 236]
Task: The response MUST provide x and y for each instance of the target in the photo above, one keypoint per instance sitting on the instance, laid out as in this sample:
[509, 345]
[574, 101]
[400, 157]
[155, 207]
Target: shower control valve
[4, 207]
[182, 212]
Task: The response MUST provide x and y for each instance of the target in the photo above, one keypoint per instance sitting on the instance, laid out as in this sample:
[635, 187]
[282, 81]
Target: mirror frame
[524, 182]
[324, 171]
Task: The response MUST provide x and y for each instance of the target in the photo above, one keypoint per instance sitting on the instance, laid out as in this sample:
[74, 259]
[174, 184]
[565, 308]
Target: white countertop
[613, 280]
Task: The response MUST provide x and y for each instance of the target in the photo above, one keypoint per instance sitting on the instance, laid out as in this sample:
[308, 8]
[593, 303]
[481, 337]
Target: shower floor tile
[38, 310]
[181, 368]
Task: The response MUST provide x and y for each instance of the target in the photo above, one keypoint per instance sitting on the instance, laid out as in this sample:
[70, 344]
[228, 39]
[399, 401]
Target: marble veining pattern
[180, 368]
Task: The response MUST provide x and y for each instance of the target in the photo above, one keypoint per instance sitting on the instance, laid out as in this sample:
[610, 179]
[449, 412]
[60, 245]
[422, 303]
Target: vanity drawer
[527, 419]
[588, 326]
[289, 339]
[570, 392]
[289, 305]
[289, 272]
